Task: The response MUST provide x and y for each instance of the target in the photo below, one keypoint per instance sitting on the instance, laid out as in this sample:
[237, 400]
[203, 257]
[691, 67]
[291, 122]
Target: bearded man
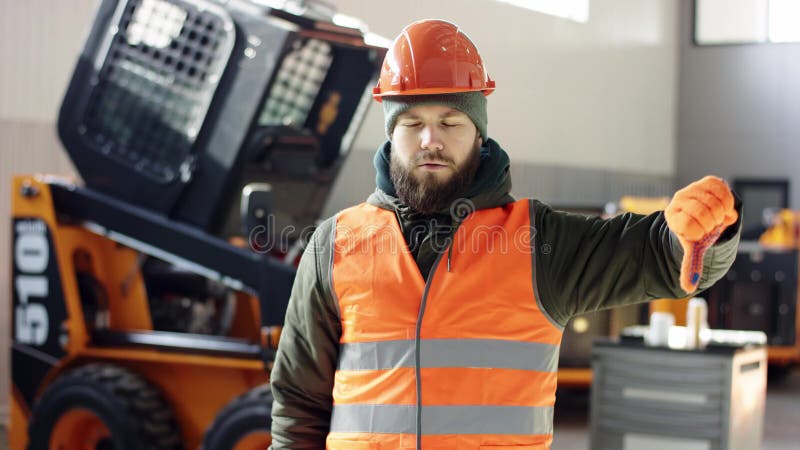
[430, 316]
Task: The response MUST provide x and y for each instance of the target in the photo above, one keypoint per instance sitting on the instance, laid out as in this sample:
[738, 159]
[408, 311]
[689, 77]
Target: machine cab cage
[193, 122]
[177, 105]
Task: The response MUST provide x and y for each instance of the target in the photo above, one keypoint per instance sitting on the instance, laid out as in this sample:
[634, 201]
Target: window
[784, 21]
[746, 21]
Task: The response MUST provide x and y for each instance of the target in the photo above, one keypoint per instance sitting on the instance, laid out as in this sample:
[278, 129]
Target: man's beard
[424, 192]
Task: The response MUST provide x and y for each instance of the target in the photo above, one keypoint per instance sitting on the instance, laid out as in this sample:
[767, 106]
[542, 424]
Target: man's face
[434, 157]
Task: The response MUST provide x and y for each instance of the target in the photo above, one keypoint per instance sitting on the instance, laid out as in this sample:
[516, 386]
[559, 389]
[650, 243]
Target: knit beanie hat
[471, 103]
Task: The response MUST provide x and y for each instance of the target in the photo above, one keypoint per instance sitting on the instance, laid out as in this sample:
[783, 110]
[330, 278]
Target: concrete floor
[781, 424]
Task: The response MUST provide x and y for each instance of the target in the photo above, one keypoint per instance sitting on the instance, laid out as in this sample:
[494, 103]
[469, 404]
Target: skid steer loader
[148, 297]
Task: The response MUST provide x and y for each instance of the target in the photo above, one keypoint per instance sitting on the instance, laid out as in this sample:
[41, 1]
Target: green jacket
[583, 264]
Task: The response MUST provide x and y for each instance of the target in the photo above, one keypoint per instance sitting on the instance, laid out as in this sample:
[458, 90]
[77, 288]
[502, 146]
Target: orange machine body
[197, 385]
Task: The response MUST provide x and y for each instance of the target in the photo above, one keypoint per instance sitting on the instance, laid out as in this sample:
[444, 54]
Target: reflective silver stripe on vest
[376, 355]
[400, 419]
[485, 353]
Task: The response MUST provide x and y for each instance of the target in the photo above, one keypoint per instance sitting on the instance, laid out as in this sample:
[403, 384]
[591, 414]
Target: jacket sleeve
[586, 264]
[302, 376]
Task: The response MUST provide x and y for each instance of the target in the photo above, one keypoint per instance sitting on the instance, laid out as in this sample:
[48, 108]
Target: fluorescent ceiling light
[575, 10]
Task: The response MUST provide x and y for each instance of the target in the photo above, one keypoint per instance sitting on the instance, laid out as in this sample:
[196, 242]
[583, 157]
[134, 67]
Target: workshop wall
[738, 110]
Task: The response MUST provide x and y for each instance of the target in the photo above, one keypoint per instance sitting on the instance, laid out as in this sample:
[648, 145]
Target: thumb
[692, 263]
[687, 275]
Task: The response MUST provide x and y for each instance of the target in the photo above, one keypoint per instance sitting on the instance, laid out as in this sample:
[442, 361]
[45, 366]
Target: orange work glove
[698, 214]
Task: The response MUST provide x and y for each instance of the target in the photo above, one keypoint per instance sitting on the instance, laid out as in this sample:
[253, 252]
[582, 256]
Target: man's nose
[431, 138]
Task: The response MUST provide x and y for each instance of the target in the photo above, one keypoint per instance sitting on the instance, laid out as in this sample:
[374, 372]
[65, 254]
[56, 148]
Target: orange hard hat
[432, 57]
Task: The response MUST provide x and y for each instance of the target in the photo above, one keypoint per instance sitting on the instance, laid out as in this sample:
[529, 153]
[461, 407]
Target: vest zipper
[457, 223]
[417, 363]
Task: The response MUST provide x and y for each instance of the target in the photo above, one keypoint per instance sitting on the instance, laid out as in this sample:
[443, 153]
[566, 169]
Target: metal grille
[297, 84]
[156, 83]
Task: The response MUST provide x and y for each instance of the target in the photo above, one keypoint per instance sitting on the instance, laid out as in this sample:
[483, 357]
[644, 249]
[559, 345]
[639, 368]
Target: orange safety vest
[467, 360]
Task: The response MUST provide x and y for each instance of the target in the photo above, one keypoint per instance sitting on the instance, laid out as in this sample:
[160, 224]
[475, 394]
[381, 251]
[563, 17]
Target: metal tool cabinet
[656, 398]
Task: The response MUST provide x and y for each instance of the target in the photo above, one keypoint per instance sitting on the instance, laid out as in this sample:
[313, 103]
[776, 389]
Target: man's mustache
[432, 157]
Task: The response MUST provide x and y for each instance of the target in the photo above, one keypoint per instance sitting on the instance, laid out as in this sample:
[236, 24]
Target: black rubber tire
[247, 413]
[131, 408]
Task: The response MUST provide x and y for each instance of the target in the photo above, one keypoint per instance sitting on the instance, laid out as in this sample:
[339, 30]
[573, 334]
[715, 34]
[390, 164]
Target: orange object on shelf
[784, 232]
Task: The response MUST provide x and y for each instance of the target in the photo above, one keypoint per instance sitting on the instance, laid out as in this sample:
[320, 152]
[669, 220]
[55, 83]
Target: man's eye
[450, 124]
[409, 124]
